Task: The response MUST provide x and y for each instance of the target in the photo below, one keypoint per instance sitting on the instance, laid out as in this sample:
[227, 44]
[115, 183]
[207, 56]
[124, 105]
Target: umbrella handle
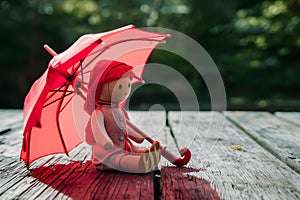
[181, 161]
[49, 50]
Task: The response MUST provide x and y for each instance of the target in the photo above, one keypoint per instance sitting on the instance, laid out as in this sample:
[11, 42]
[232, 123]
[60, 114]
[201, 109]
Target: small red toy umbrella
[50, 125]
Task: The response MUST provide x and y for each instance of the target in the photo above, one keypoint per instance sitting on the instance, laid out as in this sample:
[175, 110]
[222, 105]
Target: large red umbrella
[54, 118]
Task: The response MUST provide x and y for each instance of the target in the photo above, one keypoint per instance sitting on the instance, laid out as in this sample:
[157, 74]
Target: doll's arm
[99, 132]
[134, 135]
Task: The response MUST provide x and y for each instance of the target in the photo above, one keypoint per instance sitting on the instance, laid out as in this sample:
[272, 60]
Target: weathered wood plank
[280, 138]
[252, 174]
[79, 180]
[19, 180]
[63, 177]
[9, 114]
[31, 186]
[292, 117]
[10, 145]
[178, 184]
[10, 119]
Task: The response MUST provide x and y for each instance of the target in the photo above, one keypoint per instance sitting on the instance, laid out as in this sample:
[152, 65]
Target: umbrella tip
[131, 26]
[49, 50]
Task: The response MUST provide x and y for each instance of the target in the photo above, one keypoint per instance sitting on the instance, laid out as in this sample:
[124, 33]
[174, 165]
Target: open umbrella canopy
[54, 118]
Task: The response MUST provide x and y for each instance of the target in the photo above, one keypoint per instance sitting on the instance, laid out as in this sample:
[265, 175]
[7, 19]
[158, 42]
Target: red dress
[115, 125]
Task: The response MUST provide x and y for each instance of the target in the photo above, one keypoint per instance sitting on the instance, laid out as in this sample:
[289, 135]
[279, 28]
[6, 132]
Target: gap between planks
[26, 185]
[254, 173]
[161, 132]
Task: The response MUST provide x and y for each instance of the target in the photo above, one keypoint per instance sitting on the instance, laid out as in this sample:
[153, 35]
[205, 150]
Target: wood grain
[292, 117]
[10, 119]
[178, 184]
[279, 137]
[252, 174]
[59, 176]
[215, 170]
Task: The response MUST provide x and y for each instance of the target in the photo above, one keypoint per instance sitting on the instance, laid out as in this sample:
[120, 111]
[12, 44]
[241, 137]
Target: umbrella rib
[85, 73]
[57, 120]
[84, 89]
[76, 69]
[81, 70]
[83, 97]
[61, 90]
[28, 149]
[66, 103]
[48, 104]
[54, 93]
[95, 58]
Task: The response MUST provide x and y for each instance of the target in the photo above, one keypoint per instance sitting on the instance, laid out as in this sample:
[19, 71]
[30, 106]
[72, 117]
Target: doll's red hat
[105, 71]
[118, 71]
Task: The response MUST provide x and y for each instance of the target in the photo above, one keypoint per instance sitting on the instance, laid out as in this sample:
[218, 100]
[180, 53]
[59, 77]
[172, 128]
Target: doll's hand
[108, 145]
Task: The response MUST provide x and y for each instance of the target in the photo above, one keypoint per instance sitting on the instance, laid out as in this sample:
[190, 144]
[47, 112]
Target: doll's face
[116, 91]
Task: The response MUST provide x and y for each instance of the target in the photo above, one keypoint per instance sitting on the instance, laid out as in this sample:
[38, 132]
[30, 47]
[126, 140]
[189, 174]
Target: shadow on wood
[177, 183]
[79, 180]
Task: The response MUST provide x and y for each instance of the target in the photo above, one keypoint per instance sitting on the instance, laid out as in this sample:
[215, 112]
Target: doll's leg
[122, 161]
[147, 160]
[154, 152]
[133, 163]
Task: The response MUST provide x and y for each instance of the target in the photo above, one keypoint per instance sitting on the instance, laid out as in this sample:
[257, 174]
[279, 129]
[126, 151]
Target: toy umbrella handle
[181, 161]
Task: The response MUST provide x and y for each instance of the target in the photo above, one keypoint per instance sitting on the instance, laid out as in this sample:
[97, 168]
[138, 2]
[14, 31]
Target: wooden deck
[235, 155]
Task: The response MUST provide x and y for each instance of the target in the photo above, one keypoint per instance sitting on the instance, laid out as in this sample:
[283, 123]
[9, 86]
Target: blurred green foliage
[255, 44]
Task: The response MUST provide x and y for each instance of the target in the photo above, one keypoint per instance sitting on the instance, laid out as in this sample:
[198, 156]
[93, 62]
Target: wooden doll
[108, 132]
